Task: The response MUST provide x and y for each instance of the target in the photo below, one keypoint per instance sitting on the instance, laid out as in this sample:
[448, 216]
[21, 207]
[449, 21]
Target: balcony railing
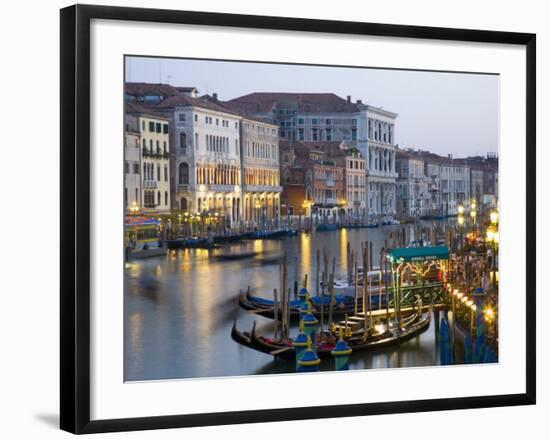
[149, 184]
[154, 154]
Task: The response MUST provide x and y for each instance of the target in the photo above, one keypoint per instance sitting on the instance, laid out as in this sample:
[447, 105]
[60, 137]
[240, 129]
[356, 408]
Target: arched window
[183, 204]
[183, 173]
[166, 198]
[158, 198]
[144, 146]
[183, 140]
[164, 149]
[158, 147]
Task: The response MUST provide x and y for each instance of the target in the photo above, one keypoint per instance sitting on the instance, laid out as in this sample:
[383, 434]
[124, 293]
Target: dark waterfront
[179, 309]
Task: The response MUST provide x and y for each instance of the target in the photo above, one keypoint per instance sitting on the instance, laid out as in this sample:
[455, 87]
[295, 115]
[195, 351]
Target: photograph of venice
[285, 218]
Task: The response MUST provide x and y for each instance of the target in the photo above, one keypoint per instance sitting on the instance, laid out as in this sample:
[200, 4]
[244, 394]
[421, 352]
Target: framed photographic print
[274, 218]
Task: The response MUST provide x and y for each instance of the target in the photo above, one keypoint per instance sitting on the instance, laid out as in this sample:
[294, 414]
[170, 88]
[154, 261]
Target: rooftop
[266, 102]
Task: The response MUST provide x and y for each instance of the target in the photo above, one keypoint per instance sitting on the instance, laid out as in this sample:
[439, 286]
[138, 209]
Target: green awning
[418, 254]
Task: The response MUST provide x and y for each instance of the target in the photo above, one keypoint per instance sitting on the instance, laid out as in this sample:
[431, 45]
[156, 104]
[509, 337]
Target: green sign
[418, 254]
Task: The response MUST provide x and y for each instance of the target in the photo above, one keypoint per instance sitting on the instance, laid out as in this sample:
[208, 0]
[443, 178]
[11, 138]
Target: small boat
[371, 225]
[273, 234]
[222, 239]
[192, 242]
[326, 228]
[343, 305]
[235, 256]
[411, 327]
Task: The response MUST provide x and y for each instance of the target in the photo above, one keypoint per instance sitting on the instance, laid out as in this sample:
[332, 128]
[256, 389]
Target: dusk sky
[447, 113]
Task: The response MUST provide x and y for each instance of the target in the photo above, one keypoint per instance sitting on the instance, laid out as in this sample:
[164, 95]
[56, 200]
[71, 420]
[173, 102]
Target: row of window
[156, 150]
[260, 150]
[317, 121]
[148, 198]
[149, 172]
[152, 199]
[356, 164]
[356, 180]
[380, 131]
[219, 174]
[261, 177]
[155, 127]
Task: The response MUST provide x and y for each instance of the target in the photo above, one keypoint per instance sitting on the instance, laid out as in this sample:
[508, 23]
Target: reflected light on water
[179, 309]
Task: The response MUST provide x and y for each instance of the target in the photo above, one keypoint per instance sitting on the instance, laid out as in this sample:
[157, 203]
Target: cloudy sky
[447, 113]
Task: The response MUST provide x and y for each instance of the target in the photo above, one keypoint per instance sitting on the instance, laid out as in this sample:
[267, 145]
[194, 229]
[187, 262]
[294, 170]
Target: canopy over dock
[418, 254]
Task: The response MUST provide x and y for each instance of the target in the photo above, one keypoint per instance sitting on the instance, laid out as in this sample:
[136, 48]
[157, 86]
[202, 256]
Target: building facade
[377, 144]
[261, 186]
[206, 158]
[151, 131]
[412, 187]
[326, 117]
[132, 163]
[354, 166]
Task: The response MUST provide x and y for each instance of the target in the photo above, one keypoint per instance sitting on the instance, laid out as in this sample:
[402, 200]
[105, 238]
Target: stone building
[326, 117]
[412, 190]
[151, 159]
[355, 188]
[132, 161]
[206, 158]
[312, 179]
[261, 186]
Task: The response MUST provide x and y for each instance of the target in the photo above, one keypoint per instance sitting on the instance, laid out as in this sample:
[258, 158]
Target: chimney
[215, 96]
[359, 102]
[349, 99]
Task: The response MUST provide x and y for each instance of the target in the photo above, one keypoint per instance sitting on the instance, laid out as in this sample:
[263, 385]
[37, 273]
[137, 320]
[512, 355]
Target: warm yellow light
[494, 216]
[490, 235]
[473, 213]
[460, 220]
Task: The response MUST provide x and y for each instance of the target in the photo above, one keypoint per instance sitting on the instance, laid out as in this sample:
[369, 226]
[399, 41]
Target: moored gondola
[411, 327]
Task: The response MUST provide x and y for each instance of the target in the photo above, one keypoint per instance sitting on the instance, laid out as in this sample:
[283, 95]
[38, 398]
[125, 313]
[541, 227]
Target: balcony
[149, 184]
[262, 188]
[154, 154]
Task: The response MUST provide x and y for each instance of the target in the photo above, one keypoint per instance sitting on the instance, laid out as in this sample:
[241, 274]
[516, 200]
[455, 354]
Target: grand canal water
[179, 309]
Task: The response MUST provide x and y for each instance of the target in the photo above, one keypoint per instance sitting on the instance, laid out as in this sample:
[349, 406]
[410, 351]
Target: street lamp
[494, 217]
[460, 209]
[134, 208]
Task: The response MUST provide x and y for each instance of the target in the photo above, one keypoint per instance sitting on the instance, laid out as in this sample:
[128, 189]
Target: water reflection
[179, 309]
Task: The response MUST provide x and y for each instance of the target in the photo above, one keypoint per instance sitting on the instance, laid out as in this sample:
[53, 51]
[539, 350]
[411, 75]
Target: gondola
[412, 326]
[344, 305]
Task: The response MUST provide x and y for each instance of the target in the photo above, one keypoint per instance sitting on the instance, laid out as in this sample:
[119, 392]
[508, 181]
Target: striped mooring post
[310, 361]
[304, 309]
[303, 295]
[341, 353]
[310, 327]
[300, 345]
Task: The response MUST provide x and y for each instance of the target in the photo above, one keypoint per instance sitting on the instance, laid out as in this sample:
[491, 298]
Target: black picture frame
[75, 217]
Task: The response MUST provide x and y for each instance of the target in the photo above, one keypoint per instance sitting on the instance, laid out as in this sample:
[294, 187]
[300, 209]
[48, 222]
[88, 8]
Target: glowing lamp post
[134, 209]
